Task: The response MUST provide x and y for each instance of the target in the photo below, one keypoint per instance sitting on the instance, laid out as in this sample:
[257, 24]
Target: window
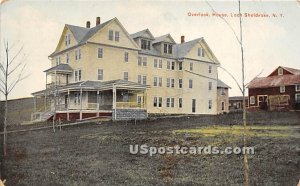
[100, 53]
[297, 87]
[252, 100]
[77, 75]
[67, 39]
[223, 91]
[144, 61]
[77, 98]
[172, 83]
[67, 58]
[110, 35]
[117, 36]
[139, 79]
[168, 82]
[282, 89]
[155, 63]
[160, 81]
[57, 60]
[78, 54]
[155, 102]
[209, 85]
[297, 98]
[179, 65]
[223, 105]
[155, 82]
[191, 66]
[126, 76]
[168, 65]
[160, 64]
[179, 83]
[190, 83]
[180, 102]
[172, 102]
[160, 102]
[168, 102]
[139, 61]
[100, 74]
[139, 99]
[209, 69]
[170, 49]
[145, 44]
[201, 52]
[173, 65]
[209, 104]
[280, 71]
[165, 48]
[126, 57]
[144, 80]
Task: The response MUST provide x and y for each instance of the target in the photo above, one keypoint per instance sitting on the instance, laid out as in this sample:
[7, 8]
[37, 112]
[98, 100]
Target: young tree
[11, 73]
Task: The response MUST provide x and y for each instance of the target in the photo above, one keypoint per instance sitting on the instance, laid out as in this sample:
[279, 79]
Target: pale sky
[268, 42]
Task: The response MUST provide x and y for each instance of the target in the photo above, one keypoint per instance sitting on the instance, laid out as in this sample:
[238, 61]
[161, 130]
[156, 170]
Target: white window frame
[191, 66]
[201, 52]
[209, 69]
[222, 105]
[58, 61]
[99, 53]
[190, 83]
[155, 102]
[117, 36]
[155, 63]
[126, 75]
[126, 57]
[168, 82]
[180, 83]
[172, 83]
[168, 65]
[172, 102]
[180, 66]
[297, 98]
[210, 104]
[144, 80]
[297, 87]
[144, 61]
[110, 35]
[280, 71]
[159, 102]
[210, 85]
[282, 89]
[160, 63]
[172, 65]
[139, 61]
[180, 101]
[100, 74]
[160, 81]
[168, 102]
[252, 100]
[155, 82]
[140, 79]
[67, 57]
[77, 75]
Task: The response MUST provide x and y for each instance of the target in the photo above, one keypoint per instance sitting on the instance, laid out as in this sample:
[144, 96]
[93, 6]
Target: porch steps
[46, 115]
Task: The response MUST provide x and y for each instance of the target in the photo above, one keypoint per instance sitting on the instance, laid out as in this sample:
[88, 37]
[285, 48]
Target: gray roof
[237, 98]
[182, 49]
[60, 67]
[221, 84]
[162, 38]
[78, 32]
[142, 34]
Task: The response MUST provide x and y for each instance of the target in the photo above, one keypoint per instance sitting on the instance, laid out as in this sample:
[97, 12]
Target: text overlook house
[105, 71]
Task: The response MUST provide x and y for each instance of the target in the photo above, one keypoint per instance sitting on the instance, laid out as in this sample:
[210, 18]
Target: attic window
[201, 52]
[67, 39]
[145, 44]
[280, 71]
[167, 48]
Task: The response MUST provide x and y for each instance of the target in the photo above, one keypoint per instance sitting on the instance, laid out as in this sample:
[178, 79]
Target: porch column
[114, 101]
[97, 103]
[80, 103]
[68, 106]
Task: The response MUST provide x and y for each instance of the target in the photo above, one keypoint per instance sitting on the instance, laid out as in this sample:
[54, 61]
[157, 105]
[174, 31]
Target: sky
[268, 42]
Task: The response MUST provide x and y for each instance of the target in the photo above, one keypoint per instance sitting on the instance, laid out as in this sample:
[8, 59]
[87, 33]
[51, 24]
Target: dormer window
[167, 48]
[145, 44]
[280, 71]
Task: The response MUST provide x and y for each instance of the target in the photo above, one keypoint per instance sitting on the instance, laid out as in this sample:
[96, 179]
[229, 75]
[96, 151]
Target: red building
[278, 91]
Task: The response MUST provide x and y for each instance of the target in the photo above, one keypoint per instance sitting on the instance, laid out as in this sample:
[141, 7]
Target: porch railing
[93, 106]
[129, 105]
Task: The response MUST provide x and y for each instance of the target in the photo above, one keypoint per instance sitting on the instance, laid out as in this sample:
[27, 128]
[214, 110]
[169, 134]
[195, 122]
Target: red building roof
[277, 80]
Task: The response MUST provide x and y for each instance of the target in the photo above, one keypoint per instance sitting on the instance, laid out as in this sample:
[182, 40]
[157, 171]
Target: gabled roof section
[292, 70]
[286, 70]
[221, 84]
[78, 32]
[142, 34]
[274, 81]
[60, 68]
[163, 38]
[182, 49]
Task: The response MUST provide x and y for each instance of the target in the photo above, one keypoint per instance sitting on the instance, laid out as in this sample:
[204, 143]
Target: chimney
[88, 24]
[97, 21]
[182, 39]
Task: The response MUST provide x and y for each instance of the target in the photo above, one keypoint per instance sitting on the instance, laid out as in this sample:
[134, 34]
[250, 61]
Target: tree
[242, 87]
[11, 74]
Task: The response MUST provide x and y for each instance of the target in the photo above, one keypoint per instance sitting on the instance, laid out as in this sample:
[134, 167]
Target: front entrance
[263, 102]
[193, 105]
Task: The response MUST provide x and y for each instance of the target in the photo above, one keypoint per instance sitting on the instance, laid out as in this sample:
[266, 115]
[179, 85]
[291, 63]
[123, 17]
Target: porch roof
[97, 86]
[65, 68]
